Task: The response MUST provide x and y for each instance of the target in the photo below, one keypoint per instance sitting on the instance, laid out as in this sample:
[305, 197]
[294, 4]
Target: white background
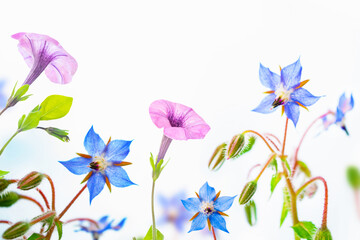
[206, 55]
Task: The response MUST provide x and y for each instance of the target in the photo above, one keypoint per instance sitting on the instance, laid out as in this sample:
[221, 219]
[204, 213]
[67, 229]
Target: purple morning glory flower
[103, 225]
[41, 53]
[208, 207]
[103, 164]
[173, 211]
[345, 105]
[286, 90]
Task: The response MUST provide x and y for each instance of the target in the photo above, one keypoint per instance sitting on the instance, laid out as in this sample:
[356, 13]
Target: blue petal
[107, 227]
[103, 219]
[339, 115]
[117, 176]
[223, 203]
[342, 99]
[191, 204]
[117, 150]
[120, 225]
[164, 202]
[304, 97]
[291, 74]
[351, 102]
[94, 145]
[198, 223]
[207, 193]
[77, 165]
[217, 221]
[95, 184]
[268, 78]
[292, 112]
[266, 104]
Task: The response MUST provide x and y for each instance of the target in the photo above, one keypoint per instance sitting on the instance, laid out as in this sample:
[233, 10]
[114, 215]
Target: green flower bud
[248, 191]
[30, 181]
[218, 156]
[16, 230]
[58, 133]
[323, 234]
[236, 145]
[8, 199]
[250, 211]
[4, 183]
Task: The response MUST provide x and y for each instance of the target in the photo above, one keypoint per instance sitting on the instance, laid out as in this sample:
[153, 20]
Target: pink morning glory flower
[43, 53]
[179, 122]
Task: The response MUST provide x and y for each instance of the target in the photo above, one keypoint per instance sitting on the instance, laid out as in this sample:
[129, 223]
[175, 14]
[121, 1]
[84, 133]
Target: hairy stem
[213, 232]
[71, 202]
[83, 219]
[44, 198]
[52, 191]
[265, 166]
[32, 200]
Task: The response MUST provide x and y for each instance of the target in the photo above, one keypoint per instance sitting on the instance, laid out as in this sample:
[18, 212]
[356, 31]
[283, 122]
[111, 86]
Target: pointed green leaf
[274, 164]
[275, 179]
[55, 106]
[286, 205]
[305, 230]
[284, 160]
[21, 120]
[24, 97]
[31, 121]
[304, 168]
[13, 91]
[149, 235]
[59, 228]
[36, 236]
[152, 161]
[21, 91]
[3, 173]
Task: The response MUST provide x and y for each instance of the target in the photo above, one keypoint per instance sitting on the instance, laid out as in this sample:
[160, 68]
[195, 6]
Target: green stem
[153, 211]
[7, 143]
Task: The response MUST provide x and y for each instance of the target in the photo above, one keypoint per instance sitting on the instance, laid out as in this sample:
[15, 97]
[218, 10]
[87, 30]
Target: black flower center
[208, 210]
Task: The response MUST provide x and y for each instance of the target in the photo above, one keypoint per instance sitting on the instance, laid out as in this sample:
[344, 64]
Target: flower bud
[218, 156]
[4, 183]
[236, 145]
[247, 192]
[16, 230]
[250, 211]
[58, 133]
[30, 181]
[8, 199]
[323, 234]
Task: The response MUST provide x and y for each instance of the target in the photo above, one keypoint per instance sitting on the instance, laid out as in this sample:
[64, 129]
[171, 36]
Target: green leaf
[274, 164]
[55, 106]
[3, 173]
[305, 230]
[21, 120]
[149, 235]
[250, 143]
[31, 121]
[353, 176]
[250, 211]
[152, 162]
[21, 91]
[304, 168]
[275, 179]
[36, 236]
[286, 205]
[59, 228]
[284, 160]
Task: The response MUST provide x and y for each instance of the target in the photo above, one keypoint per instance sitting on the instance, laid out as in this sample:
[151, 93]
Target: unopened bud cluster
[248, 191]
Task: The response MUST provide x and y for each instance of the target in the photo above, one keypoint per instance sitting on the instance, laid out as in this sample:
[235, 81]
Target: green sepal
[59, 228]
[275, 179]
[21, 120]
[286, 205]
[30, 121]
[304, 168]
[55, 106]
[250, 211]
[284, 160]
[18, 96]
[36, 236]
[305, 230]
[3, 173]
[353, 176]
[21, 91]
[157, 168]
[149, 235]
[8, 199]
[274, 165]
[250, 143]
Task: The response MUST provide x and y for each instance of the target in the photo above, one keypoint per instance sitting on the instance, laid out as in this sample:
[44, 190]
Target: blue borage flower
[208, 207]
[103, 225]
[103, 164]
[286, 91]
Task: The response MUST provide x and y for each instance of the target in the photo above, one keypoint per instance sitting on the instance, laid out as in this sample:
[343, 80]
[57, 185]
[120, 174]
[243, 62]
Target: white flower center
[99, 164]
[207, 208]
[282, 96]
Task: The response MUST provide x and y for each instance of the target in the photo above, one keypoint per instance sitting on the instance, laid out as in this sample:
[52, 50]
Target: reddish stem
[71, 202]
[273, 136]
[52, 191]
[213, 232]
[5, 222]
[82, 219]
[44, 197]
[252, 168]
[262, 137]
[285, 134]
[302, 139]
[32, 200]
[272, 142]
[267, 164]
[324, 220]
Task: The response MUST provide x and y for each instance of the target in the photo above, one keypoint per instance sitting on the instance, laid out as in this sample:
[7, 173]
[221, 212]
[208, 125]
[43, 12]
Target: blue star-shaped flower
[286, 91]
[102, 225]
[103, 164]
[208, 207]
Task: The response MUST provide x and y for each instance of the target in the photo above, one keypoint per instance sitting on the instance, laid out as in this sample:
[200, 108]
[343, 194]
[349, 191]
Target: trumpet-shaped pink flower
[179, 121]
[41, 53]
